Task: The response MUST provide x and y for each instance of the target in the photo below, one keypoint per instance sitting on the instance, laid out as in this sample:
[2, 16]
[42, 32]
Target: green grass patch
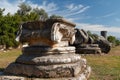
[7, 57]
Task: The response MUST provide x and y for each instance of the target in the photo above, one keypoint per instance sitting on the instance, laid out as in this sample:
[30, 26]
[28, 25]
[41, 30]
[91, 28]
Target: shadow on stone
[1, 69]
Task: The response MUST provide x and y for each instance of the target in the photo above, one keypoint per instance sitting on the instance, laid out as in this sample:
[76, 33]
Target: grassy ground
[7, 57]
[104, 67]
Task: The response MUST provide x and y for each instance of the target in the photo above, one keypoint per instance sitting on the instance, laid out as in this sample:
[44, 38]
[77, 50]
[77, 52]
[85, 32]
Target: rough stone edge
[50, 59]
[80, 77]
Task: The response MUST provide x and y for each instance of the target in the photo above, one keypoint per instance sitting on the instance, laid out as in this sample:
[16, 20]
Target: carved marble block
[47, 33]
[48, 54]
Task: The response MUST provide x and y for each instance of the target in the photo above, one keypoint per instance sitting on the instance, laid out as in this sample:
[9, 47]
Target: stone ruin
[85, 44]
[48, 55]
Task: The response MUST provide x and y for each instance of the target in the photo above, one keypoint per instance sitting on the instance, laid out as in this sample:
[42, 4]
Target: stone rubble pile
[91, 44]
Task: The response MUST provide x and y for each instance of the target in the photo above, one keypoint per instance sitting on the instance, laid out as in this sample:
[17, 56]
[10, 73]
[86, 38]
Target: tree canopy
[113, 40]
[9, 24]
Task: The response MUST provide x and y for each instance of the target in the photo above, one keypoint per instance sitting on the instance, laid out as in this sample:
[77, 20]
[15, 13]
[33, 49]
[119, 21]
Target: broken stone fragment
[46, 33]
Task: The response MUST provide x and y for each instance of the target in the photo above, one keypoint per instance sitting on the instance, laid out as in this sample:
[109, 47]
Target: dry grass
[7, 57]
[104, 67]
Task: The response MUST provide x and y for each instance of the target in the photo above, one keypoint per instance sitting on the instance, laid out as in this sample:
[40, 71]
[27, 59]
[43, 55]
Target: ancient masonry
[87, 44]
[48, 56]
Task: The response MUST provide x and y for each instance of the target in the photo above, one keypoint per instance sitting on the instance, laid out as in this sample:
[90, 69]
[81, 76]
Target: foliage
[9, 24]
[117, 42]
[89, 33]
[113, 40]
[24, 9]
[41, 13]
[94, 36]
[7, 30]
[29, 14]
[1, 12]
[55, 16]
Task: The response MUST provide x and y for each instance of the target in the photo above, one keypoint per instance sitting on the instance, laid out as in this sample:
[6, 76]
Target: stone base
[24, 78]
[83, 76]
[48, 59]
[46, 71]
[59, 64]
[88, 49]
[43, 51]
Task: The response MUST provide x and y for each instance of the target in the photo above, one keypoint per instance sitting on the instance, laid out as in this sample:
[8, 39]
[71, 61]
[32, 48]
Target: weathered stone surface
[82, 76]
[88, 45]
[46, 33]
[104, 34]
[1, 73]
[41, 50]
[13, 78]
[48, 59]
[48, 55]
[104, 44]
[82, 37]
[48, 71]
[61, 44]
[88, 49]
[61, 20]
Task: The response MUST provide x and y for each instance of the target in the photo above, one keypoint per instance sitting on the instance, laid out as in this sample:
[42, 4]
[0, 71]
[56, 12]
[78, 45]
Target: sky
[92, 15]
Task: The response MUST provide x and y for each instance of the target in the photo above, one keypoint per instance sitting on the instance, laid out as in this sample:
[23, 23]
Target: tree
[94, 36]
[117, 42]
[41, 12]
[1, 11]
[112, 39]
[9, 24]
[8, 28]
[55, 16]
[28, 14]
[24, 9]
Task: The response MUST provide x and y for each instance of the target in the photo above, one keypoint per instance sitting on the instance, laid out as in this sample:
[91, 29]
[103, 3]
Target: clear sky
[93, 15]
